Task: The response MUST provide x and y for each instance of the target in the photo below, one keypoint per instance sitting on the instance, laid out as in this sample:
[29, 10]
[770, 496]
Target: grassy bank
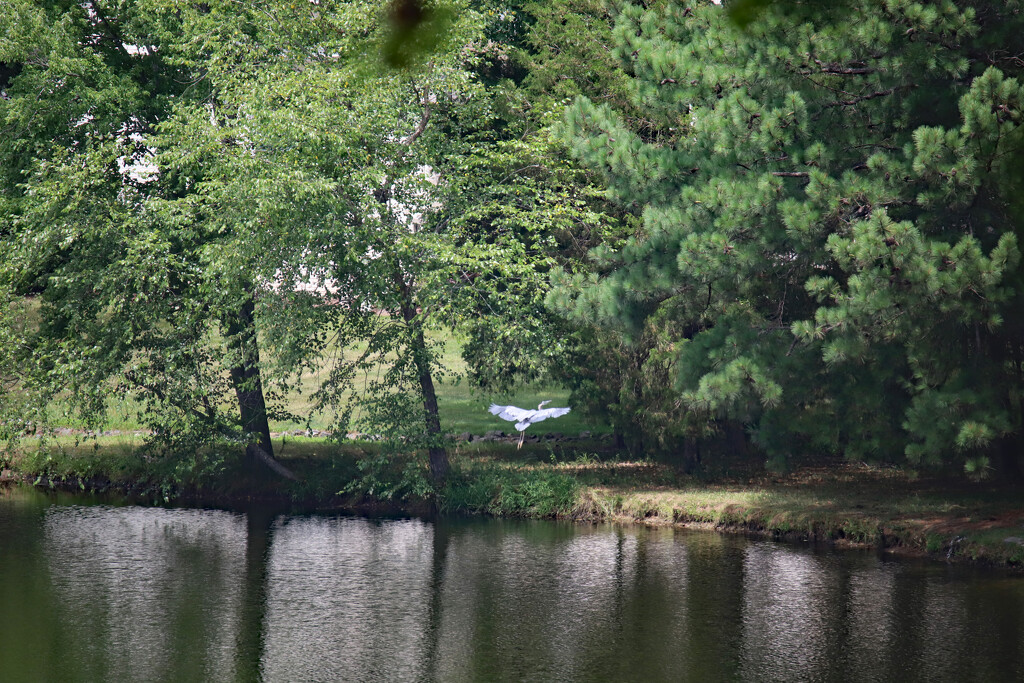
[842, 504]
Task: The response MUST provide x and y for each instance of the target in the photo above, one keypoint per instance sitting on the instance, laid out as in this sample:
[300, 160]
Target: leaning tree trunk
[438, 455]
[245, 377]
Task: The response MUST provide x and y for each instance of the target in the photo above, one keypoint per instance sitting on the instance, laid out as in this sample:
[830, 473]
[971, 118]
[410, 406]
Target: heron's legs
[522, 435]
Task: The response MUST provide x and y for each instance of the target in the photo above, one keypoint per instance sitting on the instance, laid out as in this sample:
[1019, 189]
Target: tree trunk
[1008, 458]
[691, 455]
[245, 377]
[438, 455]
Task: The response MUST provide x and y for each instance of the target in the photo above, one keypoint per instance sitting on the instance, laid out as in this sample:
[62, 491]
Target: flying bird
[524, 418]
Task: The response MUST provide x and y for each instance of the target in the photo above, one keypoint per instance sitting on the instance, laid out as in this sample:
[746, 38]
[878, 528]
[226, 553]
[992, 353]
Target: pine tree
[829, 224]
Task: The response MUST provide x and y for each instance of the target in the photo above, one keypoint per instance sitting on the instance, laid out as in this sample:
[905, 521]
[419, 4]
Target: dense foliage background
[768, 229]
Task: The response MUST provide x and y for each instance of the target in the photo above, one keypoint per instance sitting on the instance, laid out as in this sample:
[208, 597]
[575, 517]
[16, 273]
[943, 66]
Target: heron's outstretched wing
[510, 413]
[548, 412]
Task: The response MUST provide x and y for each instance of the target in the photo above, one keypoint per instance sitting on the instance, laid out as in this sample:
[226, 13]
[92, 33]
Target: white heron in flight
[524, 418]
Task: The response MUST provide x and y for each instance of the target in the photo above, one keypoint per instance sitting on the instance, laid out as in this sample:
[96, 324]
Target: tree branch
[110, 28]
[424, 119]
[839, 70]
[864, 98]
[270, 462]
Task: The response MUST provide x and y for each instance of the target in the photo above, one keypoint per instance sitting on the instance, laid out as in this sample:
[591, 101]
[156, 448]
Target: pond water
[99, 592]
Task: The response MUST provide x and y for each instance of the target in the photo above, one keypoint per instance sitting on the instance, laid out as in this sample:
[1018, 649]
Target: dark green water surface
[99, 592]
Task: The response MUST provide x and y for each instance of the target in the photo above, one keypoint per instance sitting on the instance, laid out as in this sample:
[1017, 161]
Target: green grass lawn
[463, 408]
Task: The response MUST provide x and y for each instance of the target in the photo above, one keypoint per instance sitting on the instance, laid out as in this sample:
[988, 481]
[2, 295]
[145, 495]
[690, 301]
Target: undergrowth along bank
[849, 505]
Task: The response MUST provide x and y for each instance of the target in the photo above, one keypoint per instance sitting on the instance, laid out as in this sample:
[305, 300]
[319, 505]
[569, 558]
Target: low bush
[509, 491]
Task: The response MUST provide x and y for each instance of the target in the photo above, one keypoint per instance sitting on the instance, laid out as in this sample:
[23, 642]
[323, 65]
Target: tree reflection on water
[98, 593]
